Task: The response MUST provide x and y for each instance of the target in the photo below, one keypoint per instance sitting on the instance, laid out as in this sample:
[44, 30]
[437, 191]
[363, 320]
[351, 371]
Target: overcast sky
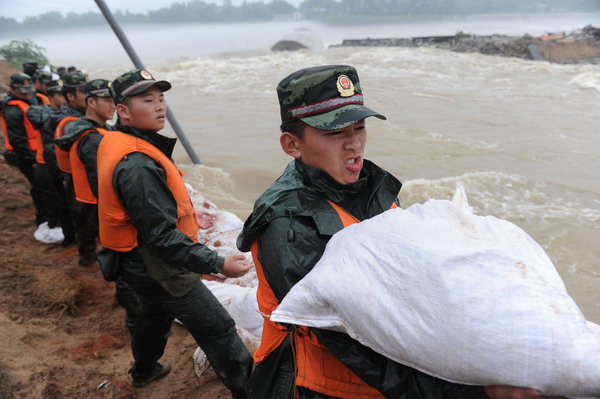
[19, 9]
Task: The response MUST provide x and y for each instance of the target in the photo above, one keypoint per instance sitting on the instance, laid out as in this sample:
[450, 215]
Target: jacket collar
[327, 185]
[9, 96]
[163, 143]
[301, 185]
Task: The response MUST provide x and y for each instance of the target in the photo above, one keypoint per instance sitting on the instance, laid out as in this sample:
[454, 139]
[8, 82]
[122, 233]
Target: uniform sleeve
[141, 186]
[88, 153]
[17, 135]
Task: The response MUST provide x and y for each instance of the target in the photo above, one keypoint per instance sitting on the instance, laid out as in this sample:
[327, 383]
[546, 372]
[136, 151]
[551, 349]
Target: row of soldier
[36, 111]
[53, 130]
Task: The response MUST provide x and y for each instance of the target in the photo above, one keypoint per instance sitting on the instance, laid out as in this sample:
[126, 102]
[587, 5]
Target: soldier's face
[77, 100]
[146, 110]
[22, 96]
[104, 107]
[56, 100]
[339, 153]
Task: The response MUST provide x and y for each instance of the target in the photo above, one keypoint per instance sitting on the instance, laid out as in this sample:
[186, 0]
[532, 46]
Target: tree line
[202, 11]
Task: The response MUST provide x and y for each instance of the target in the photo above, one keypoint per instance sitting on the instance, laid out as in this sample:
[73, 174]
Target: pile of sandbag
[467, 298]
[218, 231]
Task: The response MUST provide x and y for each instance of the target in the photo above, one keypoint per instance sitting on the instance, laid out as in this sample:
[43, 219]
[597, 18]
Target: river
[522, 137]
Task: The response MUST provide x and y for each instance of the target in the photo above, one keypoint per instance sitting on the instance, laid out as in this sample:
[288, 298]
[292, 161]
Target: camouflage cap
[42, 76]
[135, 82]
[54, 86]
[96, 88]
[21, 82]
[75, 80]
[326, 97]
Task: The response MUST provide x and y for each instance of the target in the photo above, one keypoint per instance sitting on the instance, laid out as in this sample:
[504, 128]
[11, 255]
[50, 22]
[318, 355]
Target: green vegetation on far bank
[18, 52]
[327, 10]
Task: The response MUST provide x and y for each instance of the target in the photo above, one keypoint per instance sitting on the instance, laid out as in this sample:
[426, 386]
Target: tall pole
[138, 64]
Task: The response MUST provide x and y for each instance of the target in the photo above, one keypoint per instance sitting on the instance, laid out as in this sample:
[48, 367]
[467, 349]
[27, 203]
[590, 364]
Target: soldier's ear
[290, 144]
[123, 111]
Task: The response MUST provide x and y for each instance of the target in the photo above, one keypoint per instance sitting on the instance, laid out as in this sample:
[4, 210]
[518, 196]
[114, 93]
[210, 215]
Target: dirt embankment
[581, 46]
[5, 72]
[63, 335]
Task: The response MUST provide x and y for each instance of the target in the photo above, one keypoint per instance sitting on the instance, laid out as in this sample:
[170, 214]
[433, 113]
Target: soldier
[55, 96]
[61, 71]
[47, 174]
[149, 227]
[21, 138]
[63, 122]
[328, 186]
[30, 67]
[40, 79]
[82, 143]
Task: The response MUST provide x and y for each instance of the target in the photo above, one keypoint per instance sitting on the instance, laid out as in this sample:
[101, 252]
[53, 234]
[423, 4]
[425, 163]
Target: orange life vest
[117, 232]
[32, 133]
[81, 184]
[62, 156]
[39, 154]
[317, 368]
[43, 98]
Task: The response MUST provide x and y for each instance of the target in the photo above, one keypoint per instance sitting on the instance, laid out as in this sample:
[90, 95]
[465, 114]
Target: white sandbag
[467, 298]
[48, 235]
[241, 304]
[202, 367]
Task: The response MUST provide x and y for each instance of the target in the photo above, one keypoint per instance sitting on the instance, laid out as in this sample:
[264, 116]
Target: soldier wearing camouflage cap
[21, 138]
[147, 217]
[55, 96]
[61, 124]
[81, 143]
[40, 79]
[328, 186]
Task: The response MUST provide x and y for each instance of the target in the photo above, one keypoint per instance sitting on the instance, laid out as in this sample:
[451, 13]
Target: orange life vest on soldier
[62, 156]
[116, 229]
[43, 98]
[32, 134]
[317, 368]
[81, 184]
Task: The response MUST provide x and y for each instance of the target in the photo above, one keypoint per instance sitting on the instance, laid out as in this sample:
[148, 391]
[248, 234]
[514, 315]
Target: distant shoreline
[333, 20]
[578, 46]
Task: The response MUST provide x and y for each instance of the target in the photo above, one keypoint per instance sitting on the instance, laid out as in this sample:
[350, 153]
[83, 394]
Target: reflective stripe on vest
[117, 232]
[32, 133]
[81, 184]
[62, 156]
[317, 368]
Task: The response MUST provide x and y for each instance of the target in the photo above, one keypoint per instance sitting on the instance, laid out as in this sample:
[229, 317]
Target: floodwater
[522, 137]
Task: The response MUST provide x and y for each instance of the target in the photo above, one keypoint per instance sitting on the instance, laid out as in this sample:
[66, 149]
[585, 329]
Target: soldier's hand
[235, 266]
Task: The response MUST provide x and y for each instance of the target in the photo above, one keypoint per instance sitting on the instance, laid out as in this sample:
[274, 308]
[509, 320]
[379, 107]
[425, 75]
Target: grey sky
[19, 9]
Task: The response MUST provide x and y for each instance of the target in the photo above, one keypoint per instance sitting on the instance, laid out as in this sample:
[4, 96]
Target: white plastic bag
[48, 235]
[466, 298]
[241, 304]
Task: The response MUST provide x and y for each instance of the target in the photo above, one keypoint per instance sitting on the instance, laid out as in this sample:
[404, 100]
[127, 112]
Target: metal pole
[138, 64]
